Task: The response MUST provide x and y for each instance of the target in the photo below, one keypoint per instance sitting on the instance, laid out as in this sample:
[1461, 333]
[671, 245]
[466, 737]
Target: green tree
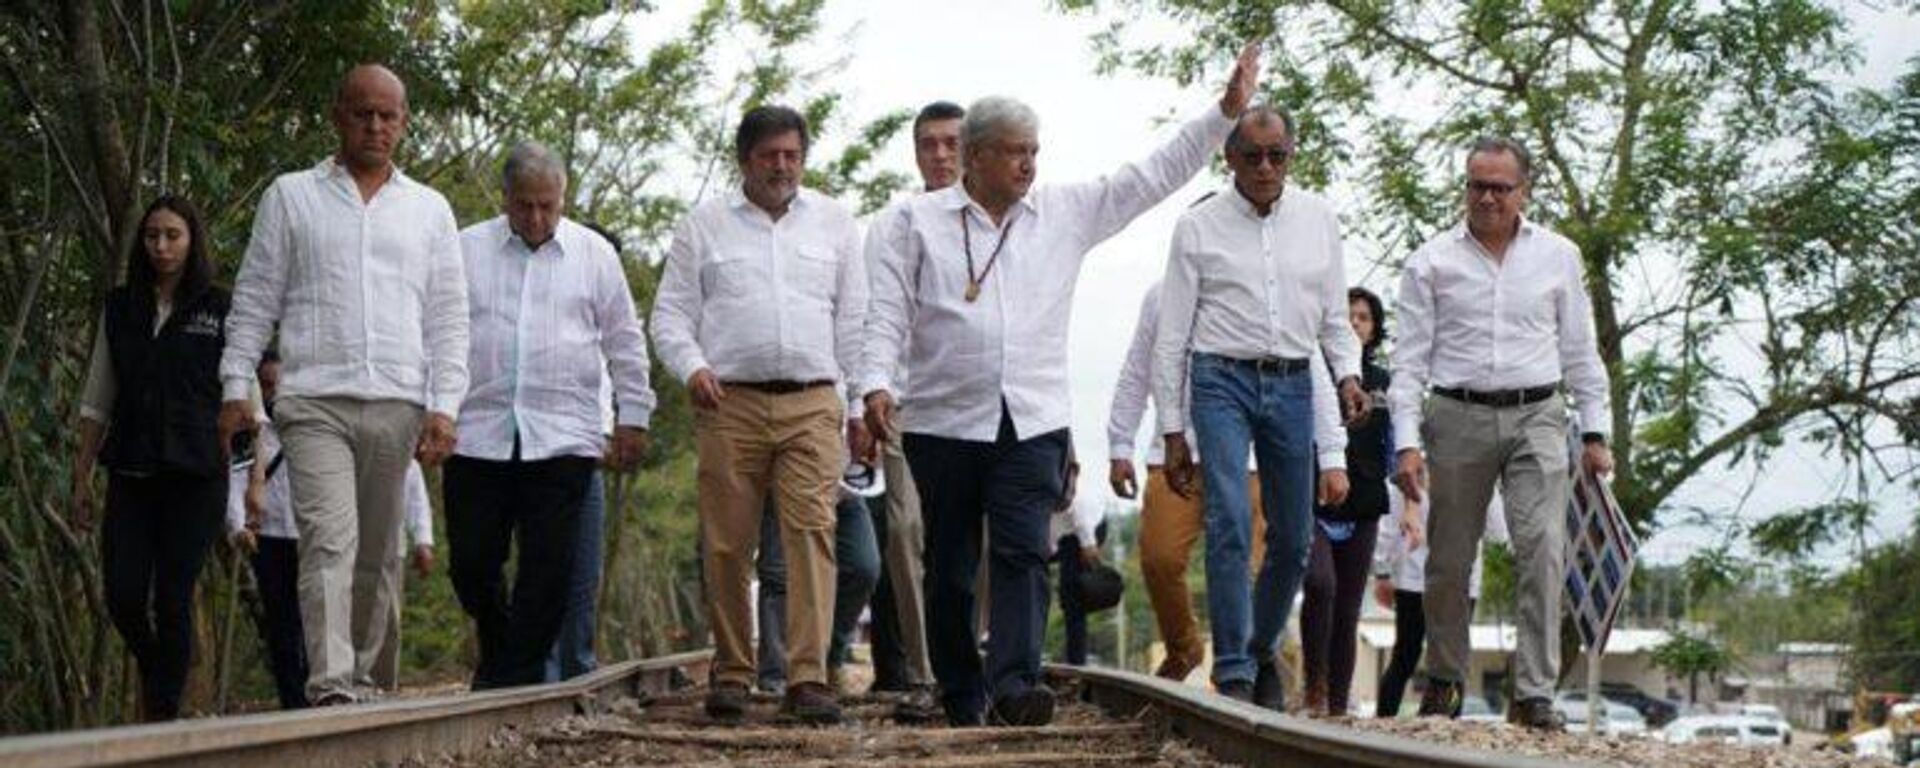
[1722, 193]
[115, 101]
[1885, 647]
[1690, 657]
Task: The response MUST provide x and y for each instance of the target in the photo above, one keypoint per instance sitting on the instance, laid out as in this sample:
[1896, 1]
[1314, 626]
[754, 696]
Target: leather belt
[1284, 366]
[1499, 398]
[779, 386]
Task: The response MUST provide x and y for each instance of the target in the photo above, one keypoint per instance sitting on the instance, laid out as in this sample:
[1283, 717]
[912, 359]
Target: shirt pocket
[815, 271]
[729, 275]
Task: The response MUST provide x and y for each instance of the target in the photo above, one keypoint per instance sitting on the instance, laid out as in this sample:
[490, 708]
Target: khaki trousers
[902, 554]
[347, 466]
[1169, 526]
[1524, 449]
[791, 444]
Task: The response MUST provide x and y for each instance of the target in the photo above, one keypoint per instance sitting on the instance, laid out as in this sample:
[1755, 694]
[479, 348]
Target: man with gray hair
[550, 313]
[1496, 324]
[359, 267]
[975, 285]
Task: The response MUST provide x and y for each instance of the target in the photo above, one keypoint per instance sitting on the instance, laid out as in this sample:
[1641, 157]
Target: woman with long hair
[1343, 535]
[149, 414]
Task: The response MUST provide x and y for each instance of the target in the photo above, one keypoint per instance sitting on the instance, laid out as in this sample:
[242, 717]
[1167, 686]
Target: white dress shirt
[277, 520]
[547, 326]
[1408, 567]
[755, 299]
[1470, 322]
[369, 296]
[1249, 287]
[965, 357]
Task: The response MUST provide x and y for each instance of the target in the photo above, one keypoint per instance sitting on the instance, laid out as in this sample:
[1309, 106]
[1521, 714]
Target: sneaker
[1238, 690]
[727, 701]
[1268, 690]
[1538, 714]
[1176, 666]
[1442, 699]
[1031, 707]
[916, 707]
[812, 703]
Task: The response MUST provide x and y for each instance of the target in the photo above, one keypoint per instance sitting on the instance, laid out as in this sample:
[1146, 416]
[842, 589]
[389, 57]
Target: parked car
[1621, 720]
[1738, 730]
[1770, 716]
[1657, 711]
[1474, 709]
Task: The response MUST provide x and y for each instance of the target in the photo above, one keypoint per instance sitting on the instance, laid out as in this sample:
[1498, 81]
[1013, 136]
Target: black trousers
[1409, 637]
[493, 506]
[276, 569]
[1338, 576]
[1067, 553]
[886, 646]
[1012, 486]
[152, 544]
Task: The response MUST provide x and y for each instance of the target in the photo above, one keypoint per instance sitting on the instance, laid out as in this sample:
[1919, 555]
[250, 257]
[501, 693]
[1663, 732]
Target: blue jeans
[572, 654]
[856, 554]
[1235, 405]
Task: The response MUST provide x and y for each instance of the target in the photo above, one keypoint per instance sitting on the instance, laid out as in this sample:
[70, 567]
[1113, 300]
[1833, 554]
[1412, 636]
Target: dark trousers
[1409, 637]
[1338, 574]
[1067, 553]
[491, 505]
[152, 543]
[886, 644]
[276, 569]
[1012, 486]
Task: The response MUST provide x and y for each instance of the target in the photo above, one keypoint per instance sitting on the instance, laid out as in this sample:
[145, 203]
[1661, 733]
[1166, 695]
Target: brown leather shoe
[1176, 665]
[812, 703]
[727, 701]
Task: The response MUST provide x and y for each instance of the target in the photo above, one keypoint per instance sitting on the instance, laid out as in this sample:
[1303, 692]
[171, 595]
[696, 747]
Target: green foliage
[1719, 186]
[1887, 627]
[1687, 656]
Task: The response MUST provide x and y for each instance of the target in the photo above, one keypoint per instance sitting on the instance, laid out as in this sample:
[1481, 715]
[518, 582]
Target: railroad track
[645, 712]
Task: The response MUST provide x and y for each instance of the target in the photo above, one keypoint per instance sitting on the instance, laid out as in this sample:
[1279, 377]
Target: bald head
[370, 115]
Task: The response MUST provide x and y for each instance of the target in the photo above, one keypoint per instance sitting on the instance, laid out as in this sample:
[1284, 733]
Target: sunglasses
[1477, 188]
[1277, 156]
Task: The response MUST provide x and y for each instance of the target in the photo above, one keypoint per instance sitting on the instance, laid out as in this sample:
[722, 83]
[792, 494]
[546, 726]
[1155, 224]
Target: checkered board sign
[1600, 555]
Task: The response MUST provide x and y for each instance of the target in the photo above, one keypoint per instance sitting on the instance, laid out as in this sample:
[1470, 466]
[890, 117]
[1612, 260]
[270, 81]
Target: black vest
[166, 406]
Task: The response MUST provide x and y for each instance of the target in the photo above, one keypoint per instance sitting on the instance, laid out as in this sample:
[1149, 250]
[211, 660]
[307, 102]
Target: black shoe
[1267, 690]
[333, 699]
[1033, 707]
[1538, 714]
[916, 707]
[812, 703]
[1442, 699]
[1238, 690]
[727, 701]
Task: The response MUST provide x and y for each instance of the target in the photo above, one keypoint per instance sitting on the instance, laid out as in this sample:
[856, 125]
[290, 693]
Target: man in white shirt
[976, 289]
[899, 617]
[1170, 523]
[359, 267]
[1495, 321]
[760, 312]
[1255, 293]
[550, 314]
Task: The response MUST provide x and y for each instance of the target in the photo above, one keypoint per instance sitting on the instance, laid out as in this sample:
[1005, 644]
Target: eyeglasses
[1278, 156]
[1476, 188]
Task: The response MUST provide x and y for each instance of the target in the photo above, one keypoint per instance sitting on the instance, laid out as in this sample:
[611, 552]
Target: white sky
[903, 54]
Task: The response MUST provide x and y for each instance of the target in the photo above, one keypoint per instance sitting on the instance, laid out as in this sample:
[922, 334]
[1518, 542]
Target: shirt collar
[738, 200]
[511, 239]
[1245, 207]
[1461, 232]
[954, 197]
[331, 169]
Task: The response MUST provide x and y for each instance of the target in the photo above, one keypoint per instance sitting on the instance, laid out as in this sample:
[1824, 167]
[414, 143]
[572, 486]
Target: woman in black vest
[153, 394]
[1343, 535]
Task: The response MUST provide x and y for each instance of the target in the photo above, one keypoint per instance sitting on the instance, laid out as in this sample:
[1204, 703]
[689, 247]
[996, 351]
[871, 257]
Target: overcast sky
[903, 54]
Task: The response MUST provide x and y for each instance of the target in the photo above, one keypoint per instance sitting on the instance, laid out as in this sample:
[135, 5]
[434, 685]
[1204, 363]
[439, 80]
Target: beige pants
[791, 443]
[1169, 526]
[901, 554]
[347, 466]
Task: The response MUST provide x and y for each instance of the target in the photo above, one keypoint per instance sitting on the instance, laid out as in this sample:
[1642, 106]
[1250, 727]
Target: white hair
[995, 114]
[529, 160]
